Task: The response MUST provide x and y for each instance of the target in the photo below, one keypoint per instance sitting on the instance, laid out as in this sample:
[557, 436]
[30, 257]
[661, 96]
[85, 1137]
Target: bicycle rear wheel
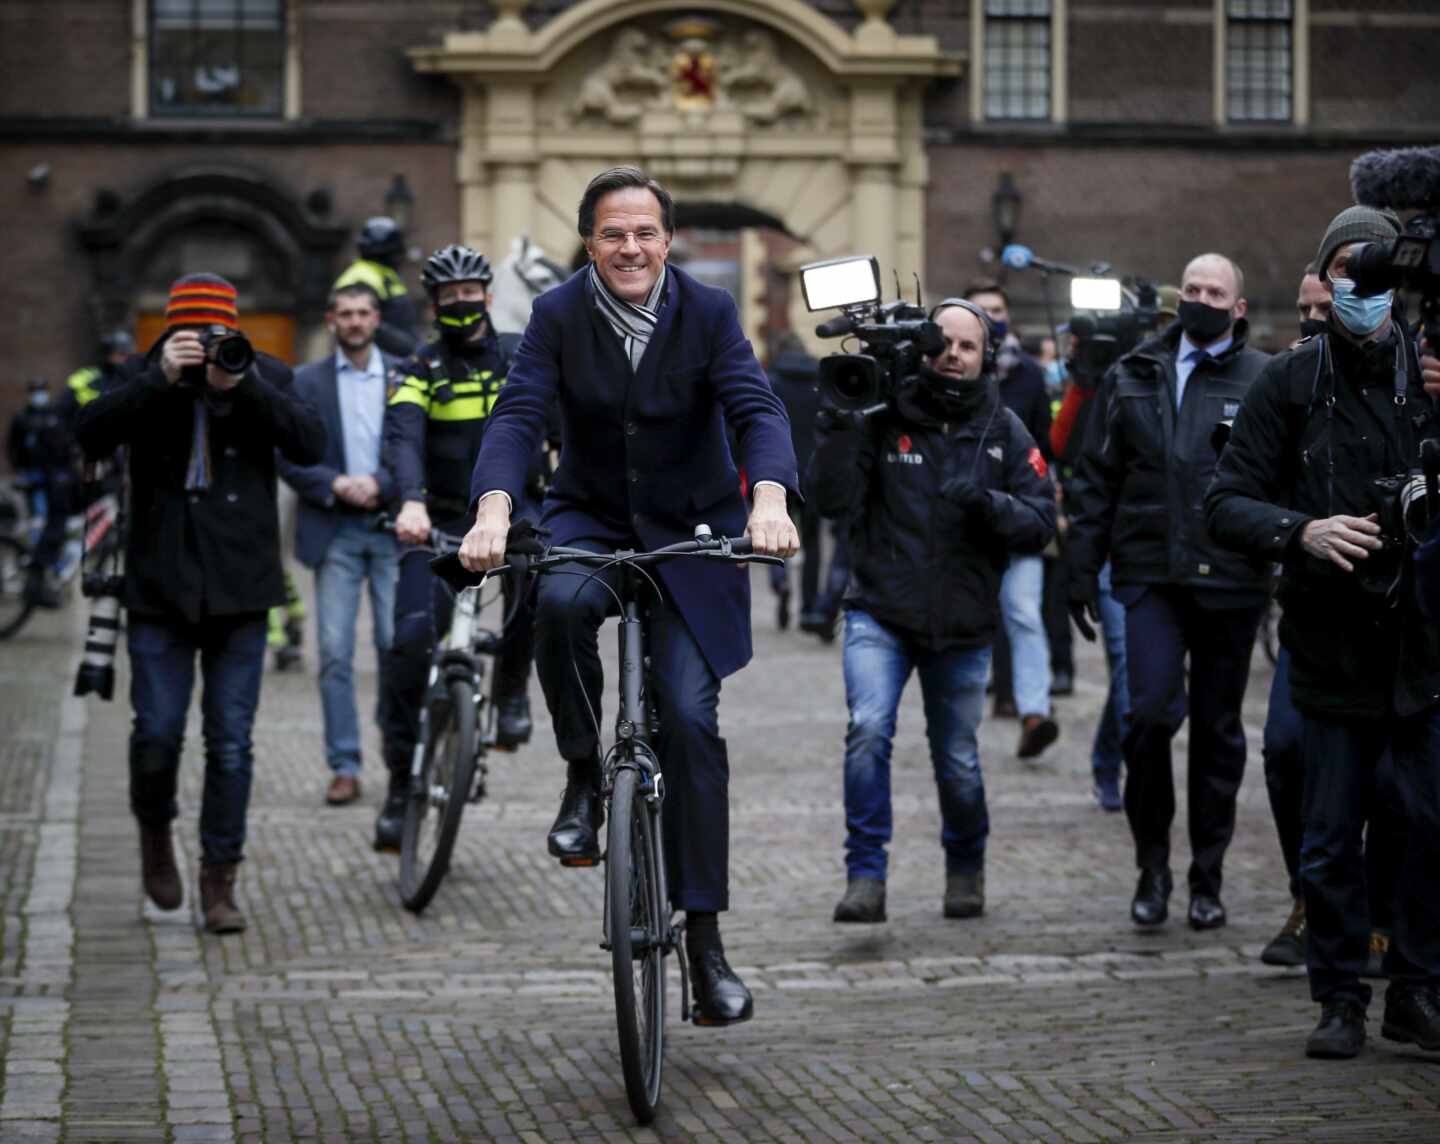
[637, 924]
[438, 795]
[14, 568]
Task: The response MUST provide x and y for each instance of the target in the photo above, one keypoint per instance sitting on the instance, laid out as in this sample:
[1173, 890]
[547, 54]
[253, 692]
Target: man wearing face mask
[1137, 500]
[439, 407]
[1296, 483]
[941, 491]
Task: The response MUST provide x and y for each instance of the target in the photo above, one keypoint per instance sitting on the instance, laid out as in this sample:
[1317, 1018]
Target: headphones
[991, 349]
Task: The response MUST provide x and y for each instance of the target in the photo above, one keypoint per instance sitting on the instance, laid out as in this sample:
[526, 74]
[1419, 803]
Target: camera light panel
[840, 282]
[1095, 294]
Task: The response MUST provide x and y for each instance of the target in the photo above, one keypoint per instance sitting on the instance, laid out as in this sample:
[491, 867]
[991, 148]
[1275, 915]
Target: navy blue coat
[320, 512]
[645, 457]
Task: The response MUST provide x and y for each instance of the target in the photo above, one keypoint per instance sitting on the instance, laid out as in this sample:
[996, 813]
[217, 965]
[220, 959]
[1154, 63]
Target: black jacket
[1023, 390]
[1352, 655]
[210, 552]
[919, 563]
[794, 376]
[1138, 496]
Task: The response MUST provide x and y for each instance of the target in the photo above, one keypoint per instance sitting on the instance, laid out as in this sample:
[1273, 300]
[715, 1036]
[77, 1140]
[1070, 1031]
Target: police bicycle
[638, 926]
[456, 734]
[92, 537]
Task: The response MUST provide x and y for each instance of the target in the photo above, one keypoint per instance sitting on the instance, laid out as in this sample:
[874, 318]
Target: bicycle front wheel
[14, 568]
[438, 793]
[637, 922]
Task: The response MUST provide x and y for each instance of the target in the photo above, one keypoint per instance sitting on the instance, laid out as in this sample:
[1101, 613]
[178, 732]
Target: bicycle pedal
[580, 861]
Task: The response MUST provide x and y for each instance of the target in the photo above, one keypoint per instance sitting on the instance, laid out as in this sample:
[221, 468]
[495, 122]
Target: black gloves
[1085, 604]
[968, 496]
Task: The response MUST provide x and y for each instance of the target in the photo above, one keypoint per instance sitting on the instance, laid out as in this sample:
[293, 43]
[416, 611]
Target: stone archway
[762, 103]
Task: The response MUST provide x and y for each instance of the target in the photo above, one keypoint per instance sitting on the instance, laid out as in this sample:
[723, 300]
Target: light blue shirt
[362, 409]
[1188, 357]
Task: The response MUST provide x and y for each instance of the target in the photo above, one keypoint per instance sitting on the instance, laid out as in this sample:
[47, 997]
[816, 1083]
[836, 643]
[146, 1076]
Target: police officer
[439, 405]
[382, 250]
[90, 381]
[42, 447]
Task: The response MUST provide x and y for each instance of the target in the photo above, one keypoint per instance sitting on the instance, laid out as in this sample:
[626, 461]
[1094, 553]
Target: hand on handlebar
[770, 529]
[412, 526]
[483, 548]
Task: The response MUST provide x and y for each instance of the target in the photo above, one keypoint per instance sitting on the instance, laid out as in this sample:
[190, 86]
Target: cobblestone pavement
[338, 1016]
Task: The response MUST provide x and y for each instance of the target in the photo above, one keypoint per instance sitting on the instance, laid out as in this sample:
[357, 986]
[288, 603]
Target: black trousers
[692, 753]
[1342, 760]
[423, 607]
[1163, 626]
[1285, 784]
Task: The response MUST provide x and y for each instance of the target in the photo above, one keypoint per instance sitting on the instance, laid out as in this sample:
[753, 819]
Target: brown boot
[217, 898]
[157, 867]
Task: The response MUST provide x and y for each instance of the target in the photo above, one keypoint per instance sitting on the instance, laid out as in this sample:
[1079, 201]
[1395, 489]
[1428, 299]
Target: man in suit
[648, 367]
[333, 534]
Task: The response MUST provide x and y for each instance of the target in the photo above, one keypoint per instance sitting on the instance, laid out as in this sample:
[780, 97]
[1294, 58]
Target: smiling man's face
[629, 244]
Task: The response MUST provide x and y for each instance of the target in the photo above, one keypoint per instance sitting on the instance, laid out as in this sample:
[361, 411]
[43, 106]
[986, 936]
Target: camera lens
[233, 354]
[851, 381]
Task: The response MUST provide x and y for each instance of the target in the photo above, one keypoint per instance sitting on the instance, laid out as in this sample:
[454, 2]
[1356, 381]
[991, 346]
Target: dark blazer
[212, 552]
[646, 456]
[320, 513]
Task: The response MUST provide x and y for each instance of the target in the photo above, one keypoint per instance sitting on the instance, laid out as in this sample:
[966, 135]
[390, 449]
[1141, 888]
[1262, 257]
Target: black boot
[1341, 1032]
[512, 721]
[1151, 905]
[391, 820]
[720, 996]
[1412, 1016]
[575, 836]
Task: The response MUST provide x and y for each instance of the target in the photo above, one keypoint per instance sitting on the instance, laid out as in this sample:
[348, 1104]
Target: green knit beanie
[1355, 224]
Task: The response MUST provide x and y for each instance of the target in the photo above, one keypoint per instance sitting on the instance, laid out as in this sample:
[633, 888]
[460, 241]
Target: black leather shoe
[1341, 1032]
[1151, 905]
[864, 902]
[1412, 1016]
[1206, 912]
[390, 821]
[575, 837]
[1288, 946]
[720, 997]
[512, 721]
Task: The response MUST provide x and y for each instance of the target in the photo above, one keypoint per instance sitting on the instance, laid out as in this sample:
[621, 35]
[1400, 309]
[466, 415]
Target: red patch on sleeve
[1037, 462]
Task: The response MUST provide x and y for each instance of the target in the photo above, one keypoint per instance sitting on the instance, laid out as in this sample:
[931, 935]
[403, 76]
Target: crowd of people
[956, 534]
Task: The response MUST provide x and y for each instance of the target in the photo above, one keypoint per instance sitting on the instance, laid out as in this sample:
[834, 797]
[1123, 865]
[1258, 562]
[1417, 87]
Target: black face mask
[1309, 327]
[1203, 323]
[459, 320]
[949, 398]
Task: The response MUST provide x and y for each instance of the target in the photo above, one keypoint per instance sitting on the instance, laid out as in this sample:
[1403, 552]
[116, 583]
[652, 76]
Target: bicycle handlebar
[438, 542]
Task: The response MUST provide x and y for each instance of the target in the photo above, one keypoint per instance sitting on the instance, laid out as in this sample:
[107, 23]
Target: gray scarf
[633, 324]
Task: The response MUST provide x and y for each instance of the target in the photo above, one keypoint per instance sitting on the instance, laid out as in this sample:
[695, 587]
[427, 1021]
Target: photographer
[203, 566]
[1297, 483]
[941, 490]
[1141, 478]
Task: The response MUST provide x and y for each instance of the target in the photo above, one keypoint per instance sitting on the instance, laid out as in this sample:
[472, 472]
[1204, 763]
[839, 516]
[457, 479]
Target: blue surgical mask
[1000, 327]
[1359, 315]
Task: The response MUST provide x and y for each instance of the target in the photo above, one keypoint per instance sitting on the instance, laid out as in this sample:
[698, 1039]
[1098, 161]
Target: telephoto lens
[97, 666]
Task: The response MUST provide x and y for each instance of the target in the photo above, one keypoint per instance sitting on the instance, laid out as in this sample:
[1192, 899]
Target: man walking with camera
[202, 566]
[1307, 478]
[941, 490]
[1137, 500]
[335, 534]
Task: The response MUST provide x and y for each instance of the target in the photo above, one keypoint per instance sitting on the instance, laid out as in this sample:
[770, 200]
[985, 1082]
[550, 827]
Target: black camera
[1407, 179]
[96, 672]
[894, 337]
[225, 348]
[1111, 318]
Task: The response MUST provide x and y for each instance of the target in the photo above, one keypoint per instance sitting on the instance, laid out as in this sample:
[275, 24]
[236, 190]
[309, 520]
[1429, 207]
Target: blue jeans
[1106, 755]
[878, 662]
[162, 676]
[358, 555]
[1022, 598]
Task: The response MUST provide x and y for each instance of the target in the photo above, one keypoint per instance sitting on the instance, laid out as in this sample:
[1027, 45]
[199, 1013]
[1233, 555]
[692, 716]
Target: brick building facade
[145, 138]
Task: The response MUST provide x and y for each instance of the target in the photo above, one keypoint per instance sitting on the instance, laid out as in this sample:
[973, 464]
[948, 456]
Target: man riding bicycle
[439, 406]
[649, 366]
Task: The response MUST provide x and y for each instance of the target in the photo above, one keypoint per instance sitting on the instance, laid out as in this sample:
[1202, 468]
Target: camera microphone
[1403, 179]
[836, 327]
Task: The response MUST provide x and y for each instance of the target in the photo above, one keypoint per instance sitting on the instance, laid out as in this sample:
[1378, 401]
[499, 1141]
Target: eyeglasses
[646, 236]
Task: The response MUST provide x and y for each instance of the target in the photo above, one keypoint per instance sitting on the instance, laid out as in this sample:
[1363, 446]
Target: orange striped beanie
[202, 300]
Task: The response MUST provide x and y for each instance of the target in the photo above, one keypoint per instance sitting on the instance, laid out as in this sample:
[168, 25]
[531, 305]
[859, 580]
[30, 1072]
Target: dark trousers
[814, 599]
[1163, 625]
[1341, 765]
[692, 753]
[162, 676]
[1285, 784]
[423, 607]
[58, 486]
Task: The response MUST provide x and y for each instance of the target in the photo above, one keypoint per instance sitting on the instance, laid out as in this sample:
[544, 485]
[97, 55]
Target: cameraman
[941, 490]
[1297, 483]
[1137, 500]
[202, 567]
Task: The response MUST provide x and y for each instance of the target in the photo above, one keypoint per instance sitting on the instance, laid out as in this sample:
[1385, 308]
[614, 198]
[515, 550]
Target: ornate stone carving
[711, 68]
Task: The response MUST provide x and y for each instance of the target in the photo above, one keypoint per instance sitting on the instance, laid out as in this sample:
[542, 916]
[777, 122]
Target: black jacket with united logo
[919, 563]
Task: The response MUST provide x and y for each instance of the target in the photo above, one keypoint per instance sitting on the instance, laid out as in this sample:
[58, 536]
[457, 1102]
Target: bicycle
[91, 538]
[456, 734]
[638, 926]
